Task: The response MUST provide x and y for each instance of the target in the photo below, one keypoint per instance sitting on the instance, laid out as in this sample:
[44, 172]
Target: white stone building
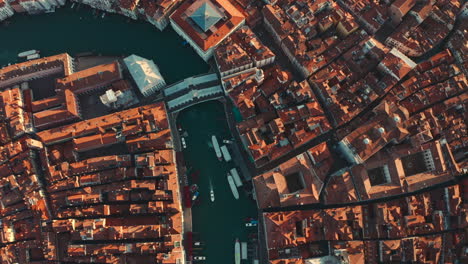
[6, 10]
[145, 74]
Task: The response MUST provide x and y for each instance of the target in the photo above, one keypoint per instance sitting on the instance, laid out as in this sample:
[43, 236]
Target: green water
[75, 31]
[221, 222]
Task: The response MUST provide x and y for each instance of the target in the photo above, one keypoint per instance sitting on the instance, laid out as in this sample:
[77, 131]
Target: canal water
[217, 224]
[76, 31]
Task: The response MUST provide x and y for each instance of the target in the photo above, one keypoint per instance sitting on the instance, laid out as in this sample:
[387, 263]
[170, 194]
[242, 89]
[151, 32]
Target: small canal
[217, 224]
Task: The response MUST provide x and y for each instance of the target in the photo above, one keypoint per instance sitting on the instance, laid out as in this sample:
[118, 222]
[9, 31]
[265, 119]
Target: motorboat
[212, 196]
[195, 195]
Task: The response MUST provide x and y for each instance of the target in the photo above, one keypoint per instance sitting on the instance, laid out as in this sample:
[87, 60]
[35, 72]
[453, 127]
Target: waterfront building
[6, 10]
[105, 5]
[206, 23]
[36, 69]
[129, 8]
[145, 74]
[33, 6]
[158, 12]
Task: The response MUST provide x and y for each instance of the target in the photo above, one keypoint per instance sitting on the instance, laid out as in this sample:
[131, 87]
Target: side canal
[216, 224]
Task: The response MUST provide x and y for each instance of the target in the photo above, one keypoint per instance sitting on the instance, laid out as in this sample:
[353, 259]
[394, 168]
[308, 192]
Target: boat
[251, 224]
[27, 53]
[199, 258]
[236, 177]
[212, 197]
[198, 243]
[216, 147]
[227, 141]
[33, 57]
[195, 196]
[225, 152]
[244, 250]
[237, 253]
[184, 145]
[233, 186]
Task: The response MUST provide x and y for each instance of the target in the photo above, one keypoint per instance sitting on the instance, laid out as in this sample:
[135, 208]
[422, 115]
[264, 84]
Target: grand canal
[216, 224]
[75, 31]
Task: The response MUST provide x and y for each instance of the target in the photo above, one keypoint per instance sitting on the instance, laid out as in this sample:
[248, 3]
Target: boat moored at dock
[244, 250]
[233, 186]
[236, 177]
[216, 147]
[27, 53]
[237, 252]
[226, 154]
[33, 57]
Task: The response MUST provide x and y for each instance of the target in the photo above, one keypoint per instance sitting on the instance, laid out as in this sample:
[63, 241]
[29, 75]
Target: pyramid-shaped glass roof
[206, 16]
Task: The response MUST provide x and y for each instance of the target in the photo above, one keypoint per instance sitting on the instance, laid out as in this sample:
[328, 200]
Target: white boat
[237, 253]
[216, 147]
[184, 145]
[236, 177]
[233, 186]
[212, 197]
[227, 141]
[27, 53]
[225, 152]
[33, 57]
[244, 250]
